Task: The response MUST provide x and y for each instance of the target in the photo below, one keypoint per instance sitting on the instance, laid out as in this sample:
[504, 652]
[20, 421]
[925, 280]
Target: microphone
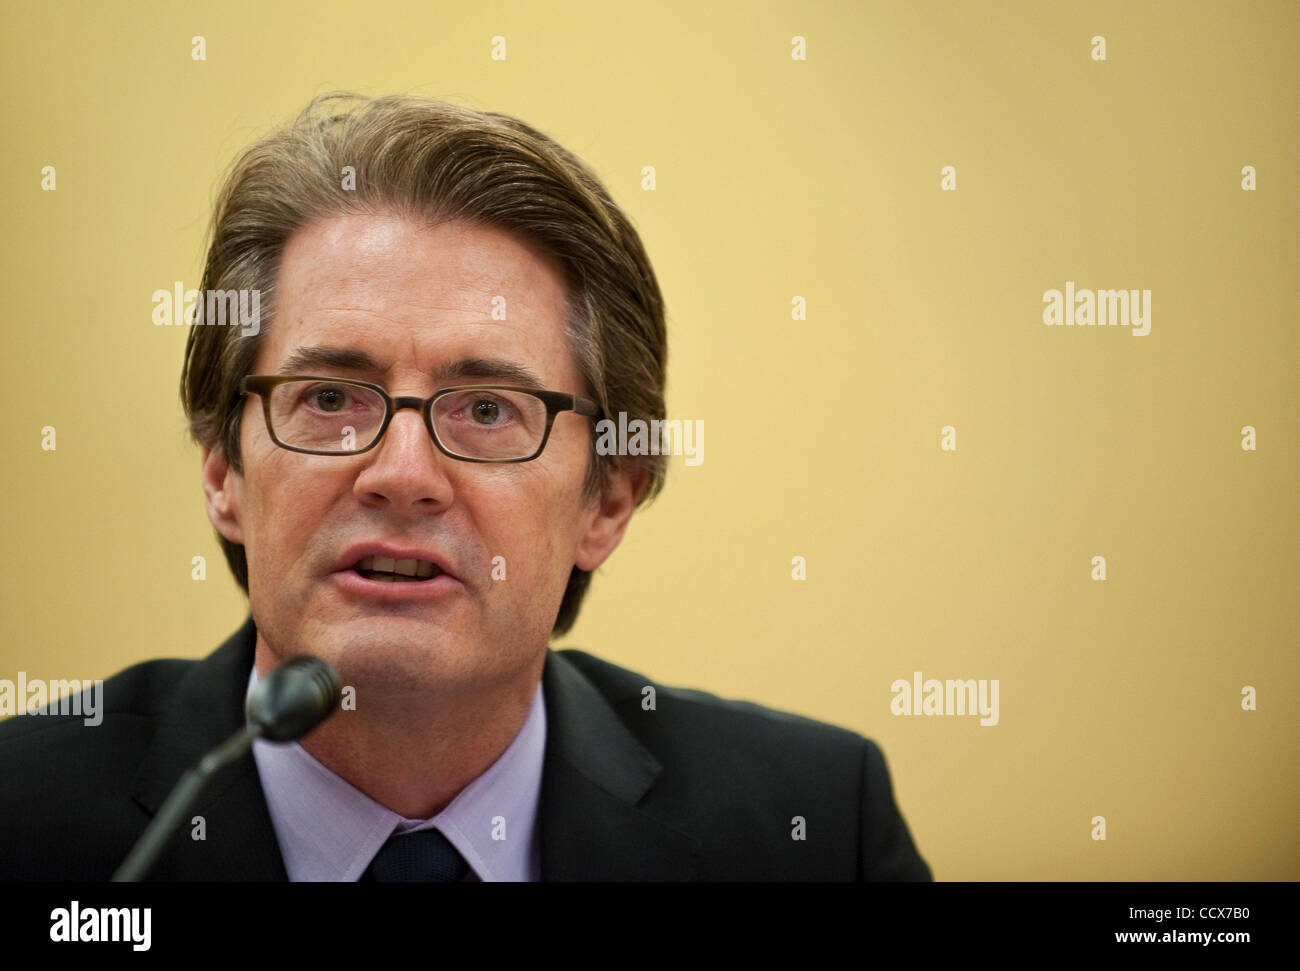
[295, 698]
[284, 706]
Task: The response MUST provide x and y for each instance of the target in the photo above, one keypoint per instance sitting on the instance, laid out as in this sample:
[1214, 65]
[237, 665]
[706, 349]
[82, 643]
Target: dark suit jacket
[697, 789]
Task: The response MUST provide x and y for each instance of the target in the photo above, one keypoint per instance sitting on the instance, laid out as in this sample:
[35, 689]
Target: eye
[329, 399]
[485, 411]
[471, 412]
[319, 398]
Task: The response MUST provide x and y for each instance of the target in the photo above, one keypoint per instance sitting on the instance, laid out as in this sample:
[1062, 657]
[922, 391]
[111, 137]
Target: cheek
[282, 510]
[532, 520]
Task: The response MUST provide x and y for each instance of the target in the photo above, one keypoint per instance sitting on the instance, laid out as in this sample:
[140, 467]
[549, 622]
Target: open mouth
[388, 570]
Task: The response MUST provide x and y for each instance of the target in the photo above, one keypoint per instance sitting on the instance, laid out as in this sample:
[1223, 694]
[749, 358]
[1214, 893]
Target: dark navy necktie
[423, 857]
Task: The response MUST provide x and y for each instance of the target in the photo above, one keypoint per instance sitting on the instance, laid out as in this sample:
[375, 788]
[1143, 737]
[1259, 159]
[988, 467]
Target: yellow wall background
[779, 178]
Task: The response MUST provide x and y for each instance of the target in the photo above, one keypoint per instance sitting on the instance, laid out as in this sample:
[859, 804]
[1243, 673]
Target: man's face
[419, 302]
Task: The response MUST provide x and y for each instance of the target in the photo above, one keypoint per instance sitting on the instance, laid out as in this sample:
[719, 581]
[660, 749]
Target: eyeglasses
[474, 423]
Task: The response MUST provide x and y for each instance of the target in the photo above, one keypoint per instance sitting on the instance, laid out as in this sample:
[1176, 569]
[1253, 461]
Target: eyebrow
[306, 359]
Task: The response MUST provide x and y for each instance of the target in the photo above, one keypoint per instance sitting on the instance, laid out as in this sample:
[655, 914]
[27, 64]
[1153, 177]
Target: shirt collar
[329, 830]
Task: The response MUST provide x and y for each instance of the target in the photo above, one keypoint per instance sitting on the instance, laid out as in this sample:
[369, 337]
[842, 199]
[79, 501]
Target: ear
[221, 493]
[609, 514]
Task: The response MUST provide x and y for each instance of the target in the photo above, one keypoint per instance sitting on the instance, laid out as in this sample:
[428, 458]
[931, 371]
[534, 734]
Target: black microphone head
[294, 698]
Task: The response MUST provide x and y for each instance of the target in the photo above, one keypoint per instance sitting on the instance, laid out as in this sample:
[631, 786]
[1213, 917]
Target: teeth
[415, 569]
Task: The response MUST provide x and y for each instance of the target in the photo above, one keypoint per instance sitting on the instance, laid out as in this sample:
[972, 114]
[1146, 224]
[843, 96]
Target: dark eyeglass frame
[555, 401]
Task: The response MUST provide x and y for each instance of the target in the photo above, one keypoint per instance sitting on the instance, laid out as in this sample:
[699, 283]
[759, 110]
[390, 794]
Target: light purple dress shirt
[330, 831]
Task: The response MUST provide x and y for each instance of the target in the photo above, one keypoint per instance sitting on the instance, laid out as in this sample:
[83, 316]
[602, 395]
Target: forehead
[414, 298]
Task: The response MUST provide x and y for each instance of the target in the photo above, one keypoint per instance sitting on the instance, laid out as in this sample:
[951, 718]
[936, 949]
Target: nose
[405, 468]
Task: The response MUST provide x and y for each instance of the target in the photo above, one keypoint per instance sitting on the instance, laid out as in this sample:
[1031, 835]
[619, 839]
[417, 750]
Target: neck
[412, 753]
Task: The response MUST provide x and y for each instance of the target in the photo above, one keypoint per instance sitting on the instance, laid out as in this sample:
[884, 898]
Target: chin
[398, 658]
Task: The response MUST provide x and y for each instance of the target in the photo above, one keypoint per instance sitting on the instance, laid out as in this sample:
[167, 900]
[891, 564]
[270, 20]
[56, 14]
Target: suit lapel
[595, 774]
[208, 707]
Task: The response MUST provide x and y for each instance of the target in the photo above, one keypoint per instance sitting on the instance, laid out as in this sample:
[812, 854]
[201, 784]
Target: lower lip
[354, 584]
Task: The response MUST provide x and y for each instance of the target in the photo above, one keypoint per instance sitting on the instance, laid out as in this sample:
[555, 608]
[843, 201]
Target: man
[399, 462]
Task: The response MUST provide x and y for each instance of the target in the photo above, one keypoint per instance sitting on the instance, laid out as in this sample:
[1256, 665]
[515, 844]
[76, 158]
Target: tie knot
[423, 857]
